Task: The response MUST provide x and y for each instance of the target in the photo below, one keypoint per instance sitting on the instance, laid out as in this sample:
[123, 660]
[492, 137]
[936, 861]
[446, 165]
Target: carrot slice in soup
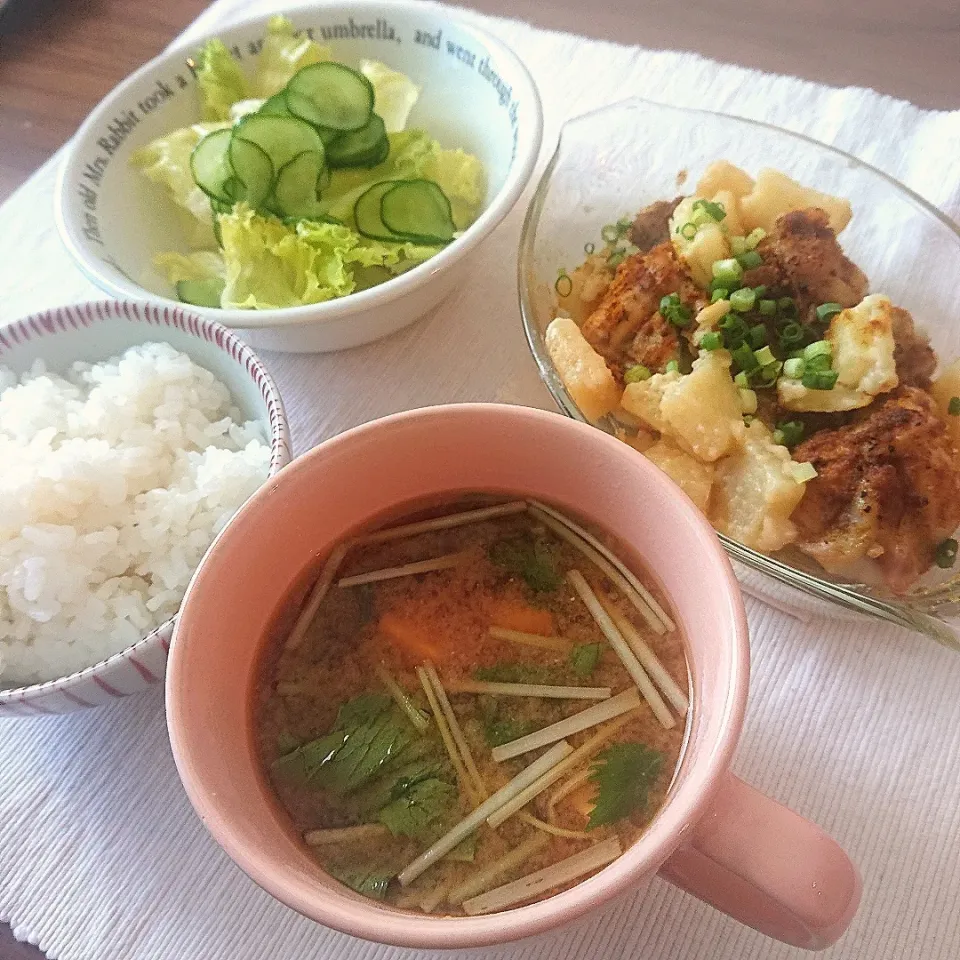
[410, 637]
[516, 615]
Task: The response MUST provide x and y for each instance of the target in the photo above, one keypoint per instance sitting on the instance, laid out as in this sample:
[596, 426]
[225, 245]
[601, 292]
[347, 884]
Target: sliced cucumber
[366, 213]
[319, 218]
[418, 210]
[216, 208]
[275, 106]
[295, 193]
[201, 293]
[210, 165]
[253, 168]
[302, 107]
[359, 147]
[331, 95]
[280, 138]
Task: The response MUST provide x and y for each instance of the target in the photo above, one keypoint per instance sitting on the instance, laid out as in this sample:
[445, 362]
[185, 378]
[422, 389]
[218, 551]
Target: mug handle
[767, 867]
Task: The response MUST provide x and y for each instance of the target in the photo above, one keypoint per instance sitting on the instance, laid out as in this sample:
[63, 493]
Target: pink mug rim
[375, 922]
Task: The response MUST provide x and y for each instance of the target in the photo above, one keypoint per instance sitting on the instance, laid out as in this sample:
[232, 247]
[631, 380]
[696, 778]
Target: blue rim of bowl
[280, 455]
[851, 599]
[518, 176]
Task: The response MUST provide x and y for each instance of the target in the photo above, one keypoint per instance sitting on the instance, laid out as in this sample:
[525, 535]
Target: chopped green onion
[791, 335]
[749, 260]
[738, 245]
[735, 329]
[564, 285]
[588, 248]
[953, 407]
[754, 237]
[787, 306]
[609, 233]
[790, 431]
[827, 310]
[794, 368]
[615, 259]
[758, 336]
[748, 400]
[672, 367]
[742, 300]
[688, 231]
[713, 210]
[719, 294]
[760, 291]
[764, 356]
[729, 272]
[946, 553]
[674, 312]
[769, 373]
[820, 348]
[744, 358]
[623, 226]
[742, 380]
[822, 361]
[636, 373]
[767, 307]
[819, 379]
[711, 341]
[721, 285]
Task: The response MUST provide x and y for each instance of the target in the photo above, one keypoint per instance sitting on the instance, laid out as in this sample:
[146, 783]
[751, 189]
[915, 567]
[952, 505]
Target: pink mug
[715, 837]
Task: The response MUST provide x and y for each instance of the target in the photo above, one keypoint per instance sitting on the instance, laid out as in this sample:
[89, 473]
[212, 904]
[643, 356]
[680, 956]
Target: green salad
[301, 183]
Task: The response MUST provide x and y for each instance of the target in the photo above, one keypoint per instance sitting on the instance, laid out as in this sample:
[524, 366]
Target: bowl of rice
[130, 433]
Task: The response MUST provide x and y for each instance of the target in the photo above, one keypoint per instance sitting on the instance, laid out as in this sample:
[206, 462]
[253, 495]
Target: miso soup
[474, 708]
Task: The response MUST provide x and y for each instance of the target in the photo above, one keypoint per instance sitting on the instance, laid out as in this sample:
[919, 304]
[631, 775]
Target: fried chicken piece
[913, 354]
[887, 487]
[652, 224]
[626, 327]
[801, 255]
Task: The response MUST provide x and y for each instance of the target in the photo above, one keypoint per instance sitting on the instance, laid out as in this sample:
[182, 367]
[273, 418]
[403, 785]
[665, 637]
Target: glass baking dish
[616, 160]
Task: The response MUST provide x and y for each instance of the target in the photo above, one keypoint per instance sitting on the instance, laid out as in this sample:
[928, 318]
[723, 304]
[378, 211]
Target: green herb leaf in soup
[420, 810]
[531, 559]
[624, 775]
[368, 882]
[584, 658]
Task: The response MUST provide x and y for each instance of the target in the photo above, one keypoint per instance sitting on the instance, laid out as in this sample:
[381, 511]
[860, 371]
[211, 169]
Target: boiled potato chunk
[588, 283]
[755, 492]
[693, 477]
[700, 412]
[732, 222]
[723, 175]
[582, 369]
[775, 194]
[699, 252]
[863, 348]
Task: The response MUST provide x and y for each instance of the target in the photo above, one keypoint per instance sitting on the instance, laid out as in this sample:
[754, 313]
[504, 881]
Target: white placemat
[857, 726]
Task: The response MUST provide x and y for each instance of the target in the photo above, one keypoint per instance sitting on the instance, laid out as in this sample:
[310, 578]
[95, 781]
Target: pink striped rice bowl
[95, 331]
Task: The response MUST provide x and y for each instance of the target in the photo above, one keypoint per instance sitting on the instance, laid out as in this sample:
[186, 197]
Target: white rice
[114, 480]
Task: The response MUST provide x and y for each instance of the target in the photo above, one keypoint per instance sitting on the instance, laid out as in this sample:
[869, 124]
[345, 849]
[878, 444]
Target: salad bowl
[475, 95]
[908, 249]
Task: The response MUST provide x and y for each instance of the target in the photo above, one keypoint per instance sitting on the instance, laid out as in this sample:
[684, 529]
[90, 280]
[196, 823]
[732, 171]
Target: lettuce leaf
[220, 81]
[202, 265]
[166, 161]
[282, 55]
[394, 94]
[270, 265]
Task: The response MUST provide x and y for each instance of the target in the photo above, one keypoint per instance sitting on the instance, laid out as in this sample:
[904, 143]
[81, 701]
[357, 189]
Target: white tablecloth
[857, 725]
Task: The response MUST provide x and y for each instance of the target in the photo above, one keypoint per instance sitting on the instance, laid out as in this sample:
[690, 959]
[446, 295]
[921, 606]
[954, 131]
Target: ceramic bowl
[715, 836]
[596, 176]
[113, 221]
[95, 331]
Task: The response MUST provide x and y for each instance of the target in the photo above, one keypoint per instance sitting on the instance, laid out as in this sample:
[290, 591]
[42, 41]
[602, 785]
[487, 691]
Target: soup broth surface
[337, 742]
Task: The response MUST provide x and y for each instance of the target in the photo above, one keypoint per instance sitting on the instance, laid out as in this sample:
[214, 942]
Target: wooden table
[49, 79]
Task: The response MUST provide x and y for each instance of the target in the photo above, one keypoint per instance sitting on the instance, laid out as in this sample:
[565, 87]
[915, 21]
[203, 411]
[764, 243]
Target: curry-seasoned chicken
[802, 257]
[626, 327]
[913, 354]
[887, 487]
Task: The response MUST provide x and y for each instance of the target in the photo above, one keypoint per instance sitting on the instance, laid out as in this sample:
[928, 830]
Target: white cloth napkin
[855, 725]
